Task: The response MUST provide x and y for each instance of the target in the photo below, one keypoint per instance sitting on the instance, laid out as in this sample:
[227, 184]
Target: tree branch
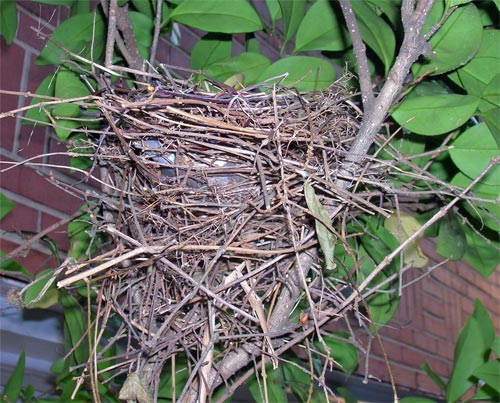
[360, 54]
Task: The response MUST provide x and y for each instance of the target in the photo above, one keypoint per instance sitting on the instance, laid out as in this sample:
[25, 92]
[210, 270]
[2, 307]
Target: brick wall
[431, 312]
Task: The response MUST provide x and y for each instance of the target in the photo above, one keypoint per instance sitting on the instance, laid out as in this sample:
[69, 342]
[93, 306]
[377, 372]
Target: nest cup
[207, 182]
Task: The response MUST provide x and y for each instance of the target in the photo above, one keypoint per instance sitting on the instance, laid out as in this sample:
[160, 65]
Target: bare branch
[360, 54]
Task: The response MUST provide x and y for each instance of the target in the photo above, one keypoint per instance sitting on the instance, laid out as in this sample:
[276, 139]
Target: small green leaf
[437, 114]
[402, 226]
[6, 205]
[14, 384]
[472, 152]
[210, 49]
[324, 232]
[391, 9]
[144, 7]
[455, 43]
[13, 266]
[67, 3]
[143, 32]
[33, 297]
[274, 384]
[8, 20]
[305, 73]
[321, 29]
[346, 394]
[451, 240]
[293, 12]
[83, 34]
[250, 65]
[434, 377]
[274, 10]
[413, 399]
[343, 352]
[377, 34]
[227, 16]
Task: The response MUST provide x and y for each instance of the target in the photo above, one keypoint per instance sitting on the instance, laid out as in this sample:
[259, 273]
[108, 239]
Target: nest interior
[204, 208]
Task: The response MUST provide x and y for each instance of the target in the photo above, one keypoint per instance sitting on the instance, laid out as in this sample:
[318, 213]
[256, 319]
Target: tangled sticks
[204, 205]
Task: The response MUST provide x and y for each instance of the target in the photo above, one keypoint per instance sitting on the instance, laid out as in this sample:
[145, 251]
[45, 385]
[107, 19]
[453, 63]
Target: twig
[156, 34]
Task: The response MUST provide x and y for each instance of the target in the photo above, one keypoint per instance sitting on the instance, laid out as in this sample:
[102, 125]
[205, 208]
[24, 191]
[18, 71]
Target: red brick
[31, 142]
[425, 342]
[436, 327]
[28, 183]
[425, 384]
[28, 36]
[32, 260]
[404, 376]
[393, 350]
[433, 288]
[59, 235]
[446, 349]
[412, 357]
[21, 218]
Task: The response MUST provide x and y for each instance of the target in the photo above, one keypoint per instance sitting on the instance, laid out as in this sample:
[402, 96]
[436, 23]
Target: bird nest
[204, 208]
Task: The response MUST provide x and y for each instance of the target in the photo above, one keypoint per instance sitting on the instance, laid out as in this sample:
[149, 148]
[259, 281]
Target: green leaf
[34, 291]
[475, 75]
[250, 65]
[453, 3]
[14, 384]
[487, 213]
[144, 7]
[321, 29]
[391, 9]
[143, 32]
[472, 152]
[76, 327]
[382, 306]
[292, 12]
[324, 232]
[13, 266]
[274, 10]
[469, 355]
[481, 255]
[210, 49]
[437, 114]
[451, 240]
[8, 20]
[305, 73]
[84, 34]
[455, 43]
[343, 352]
[434, 377]
[68, 85]
[490, 96]
[414, 399]
[6, 205]
[492, 119]
[47, 88]
[489, 373]
[346, 394]
[227, 16]
[80, 7]
[80, 240]
[486, 326]
[377, 34]
[495, 346]
[274, 383]
[67, 3]
[402, 226]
